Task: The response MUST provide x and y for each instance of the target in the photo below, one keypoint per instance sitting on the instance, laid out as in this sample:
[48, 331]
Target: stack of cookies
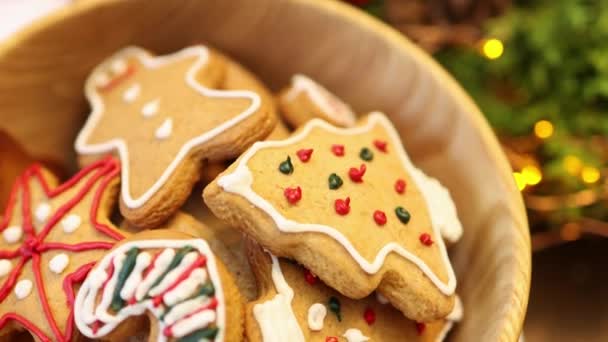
[313, 225]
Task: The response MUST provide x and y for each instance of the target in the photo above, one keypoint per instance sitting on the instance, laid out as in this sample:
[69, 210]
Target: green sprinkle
[286, 167]
[403, 215]
[366, 154]
[334, 181]
[123, 274]
[207, 333]
[334, 306]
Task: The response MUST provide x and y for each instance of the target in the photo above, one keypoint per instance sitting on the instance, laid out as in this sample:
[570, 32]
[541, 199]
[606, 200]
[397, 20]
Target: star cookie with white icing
[51, 237]
[171, 277]
[311, 311]
[348, 204]
[305, 99]
[164, 117]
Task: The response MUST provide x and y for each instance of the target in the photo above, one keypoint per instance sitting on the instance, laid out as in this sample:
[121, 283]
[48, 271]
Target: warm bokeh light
[590, 174]
[531, 175]
[519, 180]
[572, 165]
[492, 48]
[570, 231]
[543, 129]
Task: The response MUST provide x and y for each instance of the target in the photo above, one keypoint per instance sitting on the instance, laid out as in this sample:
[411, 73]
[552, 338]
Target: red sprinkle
[293, 195]
[426, 239]
[380, 217]
[338, 150]
[400, 186]
[420, 327]
[381, 145]
[310, 277]
[369, 316]
[304, 154]
[356, 175]
[331, 339]
[342, 206]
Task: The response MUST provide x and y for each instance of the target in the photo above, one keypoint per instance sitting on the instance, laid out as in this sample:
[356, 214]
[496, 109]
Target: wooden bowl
[42, 105]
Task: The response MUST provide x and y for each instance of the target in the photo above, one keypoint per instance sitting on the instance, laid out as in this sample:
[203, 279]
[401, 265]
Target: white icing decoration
[119, 66]
[150, 108]
[5, 267]
[101, 79]
[70, 223]
[329, 104]
[182, 309]
[316, 315]
[59, 263]
[141, 262]
[186, 288]
[454, 316]
[23, 288]
[85, 312]
[164, 130]
[160, 266]
[170, 278]
[43, 210]
[381, 299]
[132, 93]
[278, 309]
[148, 61]
[241, 179]
[12, 234]
[355, 335]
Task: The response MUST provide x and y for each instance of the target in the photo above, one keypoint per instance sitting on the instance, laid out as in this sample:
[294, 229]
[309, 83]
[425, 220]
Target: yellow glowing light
[492, 48]
[531, 175]
[572, 165]
[519, 180]
[589, 174]
[543, 129]
[570, 231]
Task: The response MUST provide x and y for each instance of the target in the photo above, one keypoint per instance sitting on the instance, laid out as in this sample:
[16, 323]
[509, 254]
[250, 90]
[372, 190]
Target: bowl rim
[518, 301]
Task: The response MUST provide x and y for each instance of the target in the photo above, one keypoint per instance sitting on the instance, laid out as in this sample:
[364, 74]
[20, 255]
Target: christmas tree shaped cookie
[52, 235]
[173, 278]
[311, 311]
[164, 117]
[349, 205]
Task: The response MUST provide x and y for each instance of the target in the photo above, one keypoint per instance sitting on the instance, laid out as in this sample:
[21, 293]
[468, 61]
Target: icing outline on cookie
[111, 321]
[436, 196]
[119, 144]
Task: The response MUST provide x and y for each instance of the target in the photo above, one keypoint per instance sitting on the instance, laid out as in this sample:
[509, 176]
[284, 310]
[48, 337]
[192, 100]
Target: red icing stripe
[31, 327]
[200, 262]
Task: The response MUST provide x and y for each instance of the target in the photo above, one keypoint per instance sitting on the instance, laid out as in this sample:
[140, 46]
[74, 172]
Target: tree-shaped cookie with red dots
[312, 311]
[52, 235]
[348, 204]
[164, 117]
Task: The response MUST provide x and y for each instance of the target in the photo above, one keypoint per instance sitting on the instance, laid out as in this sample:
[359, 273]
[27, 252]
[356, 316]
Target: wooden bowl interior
[42, 71]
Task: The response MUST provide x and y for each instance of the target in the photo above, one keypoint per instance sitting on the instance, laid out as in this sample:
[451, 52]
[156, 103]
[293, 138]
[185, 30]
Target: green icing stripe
[207, 290]
[125, 271]
[207, 333]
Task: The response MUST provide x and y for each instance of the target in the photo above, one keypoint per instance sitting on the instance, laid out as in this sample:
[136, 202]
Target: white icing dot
[316, 315]
[355, 335]
[70, 223]
[12, 234]
[131, 93]
[150, 108]
[164, 131]
[381, 299]
[5, 267]
[59, 262]
[43, 210]
[23, 288]
[118, 66]
[101, 79]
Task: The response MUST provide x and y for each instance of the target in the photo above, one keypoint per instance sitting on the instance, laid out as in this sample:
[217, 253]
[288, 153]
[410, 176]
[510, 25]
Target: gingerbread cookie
[173, 278]
[52, 235]
[305, 99]
[311, 311]
[349, 205]
[164, 116]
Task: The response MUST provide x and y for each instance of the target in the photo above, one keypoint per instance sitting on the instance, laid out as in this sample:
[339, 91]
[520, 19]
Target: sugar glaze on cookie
[186, 298]
[442, 212]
